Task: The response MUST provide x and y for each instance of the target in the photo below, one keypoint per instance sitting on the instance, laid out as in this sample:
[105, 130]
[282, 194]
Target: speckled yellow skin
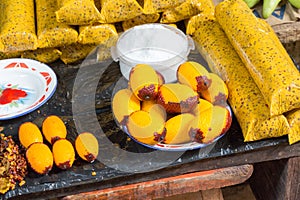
[192, 23]
[141, 19]
[293, 118]
[245, 98]
[77, 12]
[119, 10]
[10, 55]
[75, 52]
[104, 34]
[17, 30]
[275, 76]
[155, 6]
[50, 32]
[46, 55]
[186, 10]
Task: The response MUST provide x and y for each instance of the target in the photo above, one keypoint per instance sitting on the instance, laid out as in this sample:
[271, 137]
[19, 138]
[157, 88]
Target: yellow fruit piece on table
[144, 82]
[123, 104]
[217, 93]
[87, 147]
[177, 98]
[63, 153]
[202, 106]
[212, 123]
[53, 128]
[39, 157]
[194, 75]
[177, 129]
[146, 127]
[29, 133]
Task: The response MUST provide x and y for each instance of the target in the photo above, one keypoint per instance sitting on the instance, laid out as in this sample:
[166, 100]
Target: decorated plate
[25, 85]
[121, 84]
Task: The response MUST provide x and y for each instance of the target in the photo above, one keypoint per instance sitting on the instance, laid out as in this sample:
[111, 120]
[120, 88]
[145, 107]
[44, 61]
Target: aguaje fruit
[177, 129]
[54, 128]
[177, 98]
[39, 157]
[123, 104]
[144, 82]
[146, 127]
[212, 123]
[63, 153]
[217, 93]
[29, 133]
[87, 147]
[194, 75]
[202, 106]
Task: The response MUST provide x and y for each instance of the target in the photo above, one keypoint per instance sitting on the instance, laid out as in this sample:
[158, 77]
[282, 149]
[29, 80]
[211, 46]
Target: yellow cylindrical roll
[17, 26]
[276, 77]
[244, 97]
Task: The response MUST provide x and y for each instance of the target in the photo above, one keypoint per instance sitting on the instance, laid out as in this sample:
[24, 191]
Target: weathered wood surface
[278, 180]
[175, 185]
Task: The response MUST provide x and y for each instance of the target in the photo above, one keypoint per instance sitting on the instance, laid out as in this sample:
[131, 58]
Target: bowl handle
[114, 53]
[191, 42]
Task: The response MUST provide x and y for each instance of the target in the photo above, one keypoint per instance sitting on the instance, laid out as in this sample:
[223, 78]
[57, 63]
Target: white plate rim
[35, 67]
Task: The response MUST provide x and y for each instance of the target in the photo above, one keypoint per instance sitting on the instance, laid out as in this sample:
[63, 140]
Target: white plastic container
[162, 46]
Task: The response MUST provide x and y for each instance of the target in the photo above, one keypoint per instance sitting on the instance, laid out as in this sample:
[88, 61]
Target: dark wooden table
[82, 100]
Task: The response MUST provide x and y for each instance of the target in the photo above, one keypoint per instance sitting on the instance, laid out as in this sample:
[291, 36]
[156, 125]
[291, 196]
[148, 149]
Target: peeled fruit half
[87, 147]
[39, 157]
[144, 82]
[146, 127]
[212, 123]
[29, 133]
[217, 93]
[194, 75]
[123, 104]
[152, 106]
[63, 153]
[177, 98]
[54, 128]
[202, 106]
[177, 129]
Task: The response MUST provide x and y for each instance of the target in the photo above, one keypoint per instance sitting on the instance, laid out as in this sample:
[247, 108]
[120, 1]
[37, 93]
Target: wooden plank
[170, 186]
[278, 180]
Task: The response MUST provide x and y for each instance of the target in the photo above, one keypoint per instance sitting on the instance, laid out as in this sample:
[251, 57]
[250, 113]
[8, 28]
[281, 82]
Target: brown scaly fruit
[123, 104]
[177, 98]
[194, 75]
[212, 123]
[144, 82]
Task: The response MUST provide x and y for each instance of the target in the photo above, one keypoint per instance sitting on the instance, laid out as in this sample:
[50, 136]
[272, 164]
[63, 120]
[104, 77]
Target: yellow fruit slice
[177, 129]
[202, 106]
[146, 127]
[54, 128]
[144, 82]
[63, 153]
[217, 93]
[123, 104]
[39, 157]
[177, 98]
[194, 75]
[210, 124]
[29, 133]
[87, 147]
